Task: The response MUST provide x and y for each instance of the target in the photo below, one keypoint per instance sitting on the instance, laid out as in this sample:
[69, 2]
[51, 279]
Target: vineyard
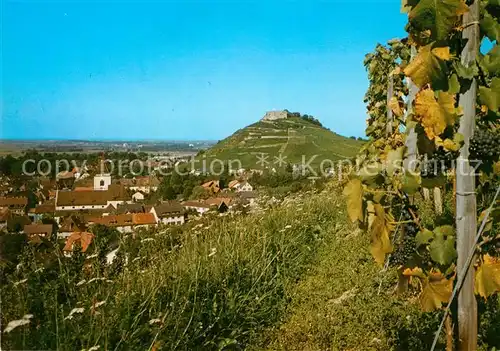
[433, 105]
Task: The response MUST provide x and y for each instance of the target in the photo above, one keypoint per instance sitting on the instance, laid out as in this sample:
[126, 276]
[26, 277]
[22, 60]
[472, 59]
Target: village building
[130, 208]
[222, 204]
[44, 209]
[146, 184]
[41, 230]
[138, 196]
[237, 185]
[16, 205]
[171, 212]
[213, 186]
[114, 195]
[102, 181]
[127, 223]
[81, 239]
[70, 225]
[197, 206]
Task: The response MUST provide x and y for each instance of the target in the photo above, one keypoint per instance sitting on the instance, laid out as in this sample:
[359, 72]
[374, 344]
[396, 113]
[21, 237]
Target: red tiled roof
[21, 201]
[32, 229]
[143, 218]
[84, 238]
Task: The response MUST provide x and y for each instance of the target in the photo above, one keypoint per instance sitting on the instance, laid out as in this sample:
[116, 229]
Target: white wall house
[138, 196]
[198, 207]
[169, 213]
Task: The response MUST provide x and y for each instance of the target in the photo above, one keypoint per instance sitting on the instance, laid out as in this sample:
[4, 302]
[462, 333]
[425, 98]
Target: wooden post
[410, 163]
[466, 198]
[390, 93]
[438, 201]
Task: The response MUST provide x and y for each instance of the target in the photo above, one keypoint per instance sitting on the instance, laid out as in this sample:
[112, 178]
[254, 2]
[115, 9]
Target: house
[114, 195]
[213, 186]
[127, 223]
[41, 230]
[83, 239]
[130, 208]
[171, 212]
[69, 226]
[198, 206]
[16, 223]
[17, 205]
[138, 196]
[145, 184]
[240, 186]
[46, 208]
[222, 204]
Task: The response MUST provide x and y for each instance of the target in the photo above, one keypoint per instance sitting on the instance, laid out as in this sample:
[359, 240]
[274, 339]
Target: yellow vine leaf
[380, 241]
[435, 114]
[353, 192]
[394, 106]
[436, 289]
[442, 53]
[488, 276]
[429, 65]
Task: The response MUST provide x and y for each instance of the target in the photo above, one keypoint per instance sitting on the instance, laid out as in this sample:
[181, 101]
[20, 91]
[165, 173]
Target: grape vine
[381, 193]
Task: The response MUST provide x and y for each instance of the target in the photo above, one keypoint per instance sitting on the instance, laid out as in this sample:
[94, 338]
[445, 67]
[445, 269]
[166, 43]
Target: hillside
[292, 138]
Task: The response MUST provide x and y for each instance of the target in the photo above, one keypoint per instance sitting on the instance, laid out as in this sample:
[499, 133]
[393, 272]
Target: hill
[290, 136]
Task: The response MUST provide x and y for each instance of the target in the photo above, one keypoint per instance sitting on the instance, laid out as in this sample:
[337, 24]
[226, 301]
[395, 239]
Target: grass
[212, 285]
[292, 138]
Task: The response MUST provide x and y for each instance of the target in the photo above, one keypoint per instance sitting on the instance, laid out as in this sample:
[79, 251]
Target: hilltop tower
[275, 115]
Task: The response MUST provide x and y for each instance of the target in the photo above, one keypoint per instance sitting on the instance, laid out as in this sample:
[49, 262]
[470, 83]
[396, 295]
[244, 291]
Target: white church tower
[102, 181]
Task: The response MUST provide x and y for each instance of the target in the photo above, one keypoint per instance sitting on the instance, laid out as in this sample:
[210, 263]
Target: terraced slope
[292, 138]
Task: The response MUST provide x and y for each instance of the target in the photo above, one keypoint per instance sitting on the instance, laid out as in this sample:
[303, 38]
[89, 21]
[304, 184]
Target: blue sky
[184, 69]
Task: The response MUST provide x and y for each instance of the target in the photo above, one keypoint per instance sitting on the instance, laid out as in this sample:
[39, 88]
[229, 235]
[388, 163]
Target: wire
[461, 276]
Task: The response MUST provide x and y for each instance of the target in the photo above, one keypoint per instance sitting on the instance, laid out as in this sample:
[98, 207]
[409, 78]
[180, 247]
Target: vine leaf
[353, 191]
[435, 114]
[490, 26]
[491, 96]
[491, 62]
[380, 242]
[394, 161]
[436, 289]
[442, 249]
[411, 183]
[424, 237]
[488, 277]
[438, 16]
[394, 106]
[428, 66]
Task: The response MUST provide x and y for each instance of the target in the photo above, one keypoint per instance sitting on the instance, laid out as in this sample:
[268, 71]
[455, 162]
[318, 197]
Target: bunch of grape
[403, 252]
[485, 145]
[441, 161]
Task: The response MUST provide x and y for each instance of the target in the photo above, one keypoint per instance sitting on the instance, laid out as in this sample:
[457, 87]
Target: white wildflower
[155, 321]
[17, 323]
[20, 282]
[147, 240]
[95, 279]
[73, 311]
[288, 226]
[100, 303]
[213, 251]
[92, 256]
[94, 348]
[81, 282]
[110, 257]
[39, 270]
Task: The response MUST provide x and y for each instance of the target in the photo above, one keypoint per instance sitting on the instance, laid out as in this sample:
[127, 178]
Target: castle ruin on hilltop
[275, 115]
